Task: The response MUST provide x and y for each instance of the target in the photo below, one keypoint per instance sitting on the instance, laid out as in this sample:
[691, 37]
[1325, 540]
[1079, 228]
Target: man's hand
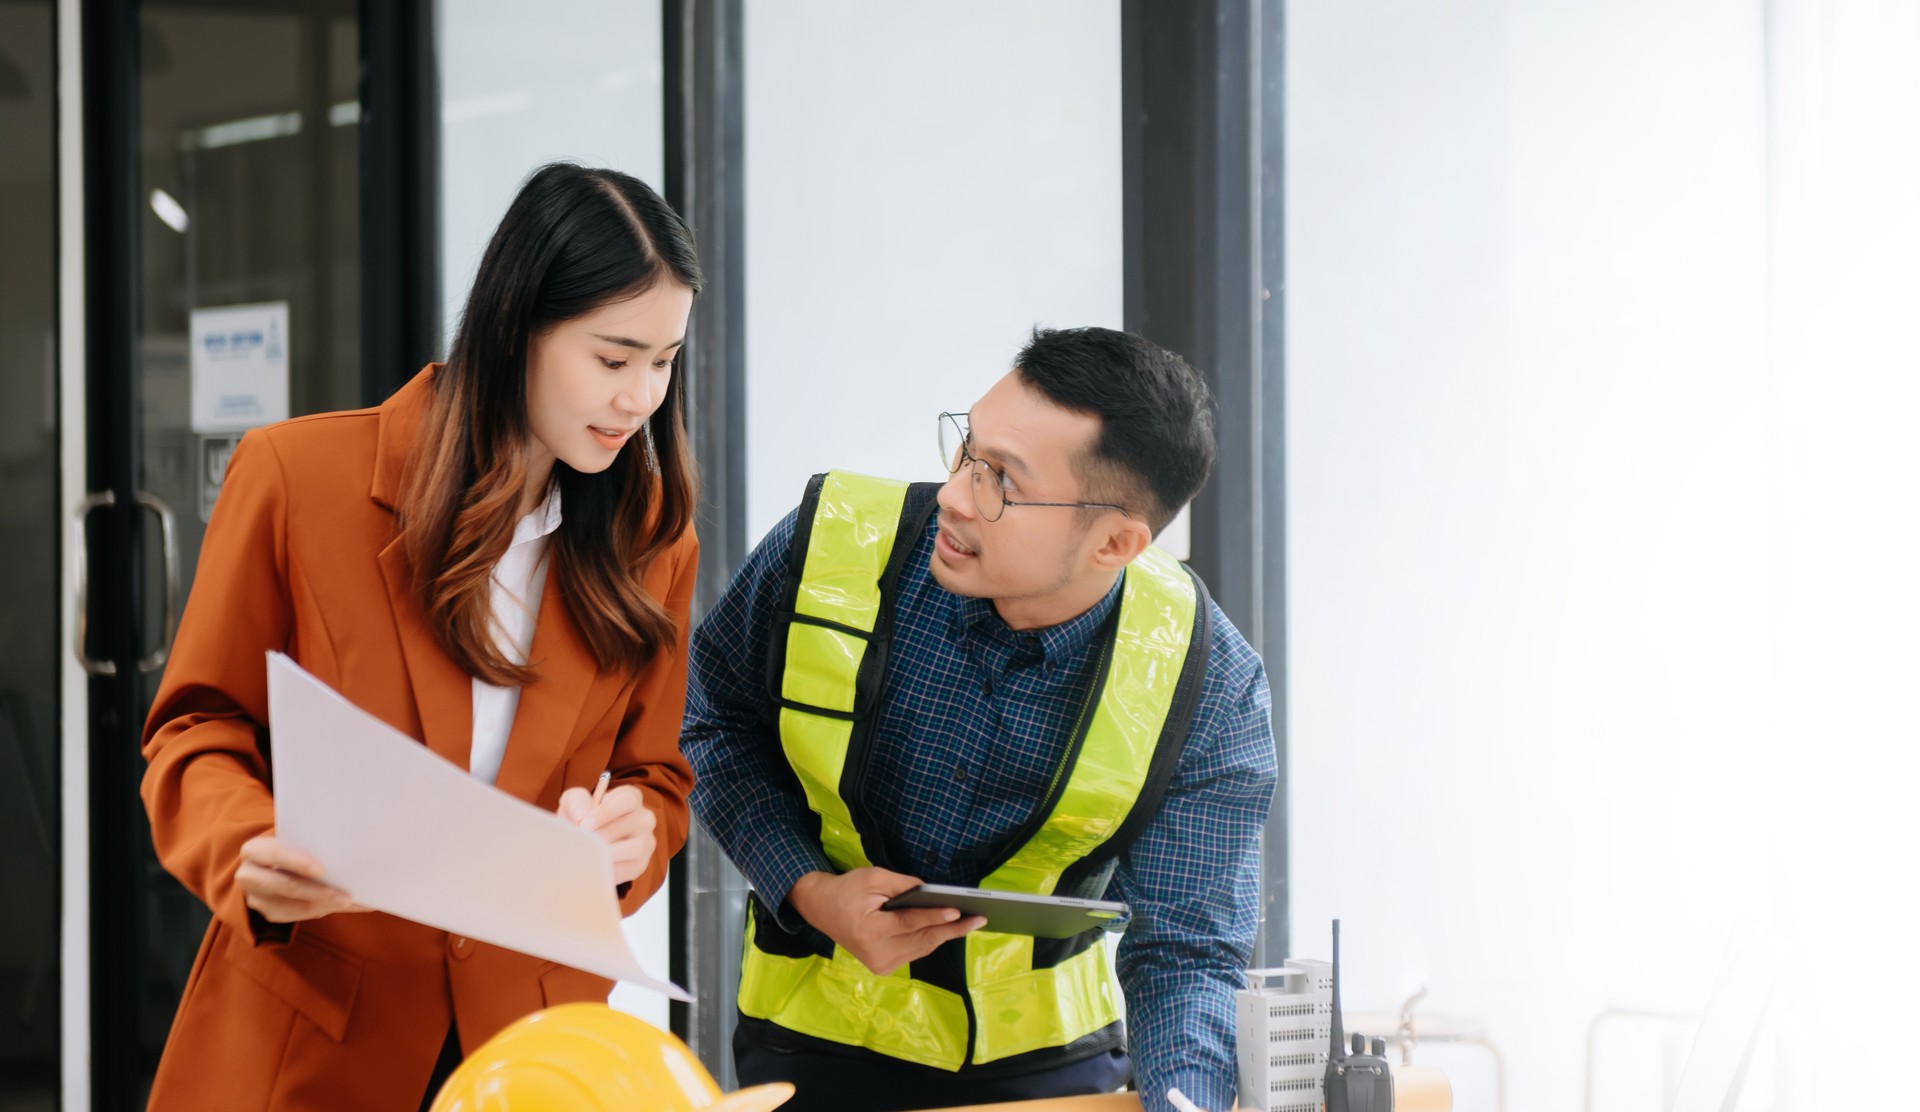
[277, 881]
[846, 908]
[622, 819]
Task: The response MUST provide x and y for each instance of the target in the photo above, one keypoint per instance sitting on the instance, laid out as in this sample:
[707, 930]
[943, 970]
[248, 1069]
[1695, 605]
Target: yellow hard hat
[591, 1058]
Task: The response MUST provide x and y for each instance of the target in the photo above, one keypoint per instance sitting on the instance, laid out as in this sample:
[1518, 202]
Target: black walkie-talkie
[1356, 1082]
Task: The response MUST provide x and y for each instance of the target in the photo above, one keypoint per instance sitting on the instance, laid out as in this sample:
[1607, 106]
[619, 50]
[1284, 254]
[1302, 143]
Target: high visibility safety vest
[987, 1003]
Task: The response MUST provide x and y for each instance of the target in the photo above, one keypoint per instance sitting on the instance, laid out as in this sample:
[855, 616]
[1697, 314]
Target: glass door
[226, 294]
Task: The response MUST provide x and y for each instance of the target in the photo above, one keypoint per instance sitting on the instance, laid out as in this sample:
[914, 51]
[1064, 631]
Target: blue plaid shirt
[974, 718]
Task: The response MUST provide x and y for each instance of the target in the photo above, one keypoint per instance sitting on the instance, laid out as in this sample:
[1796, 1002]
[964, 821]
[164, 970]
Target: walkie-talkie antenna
[1336, 1046]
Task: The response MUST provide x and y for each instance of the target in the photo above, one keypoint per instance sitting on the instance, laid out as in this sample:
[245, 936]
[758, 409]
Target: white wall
[526, 84]
[1530, 467]
[522, 85]
[1602, 388]
[1846, 403]
[924, 183]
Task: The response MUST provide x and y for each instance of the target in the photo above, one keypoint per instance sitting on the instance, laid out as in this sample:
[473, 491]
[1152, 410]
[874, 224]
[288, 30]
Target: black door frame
[110, 76]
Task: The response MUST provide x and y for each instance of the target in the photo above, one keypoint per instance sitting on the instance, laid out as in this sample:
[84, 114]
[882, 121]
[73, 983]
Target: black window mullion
[399, 194]
[1203, 173]
[706, 184]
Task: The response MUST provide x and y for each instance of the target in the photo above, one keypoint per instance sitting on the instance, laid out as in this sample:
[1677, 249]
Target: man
[1007, 689]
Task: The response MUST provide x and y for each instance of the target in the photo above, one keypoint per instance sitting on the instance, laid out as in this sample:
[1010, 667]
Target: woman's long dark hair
[574, 239]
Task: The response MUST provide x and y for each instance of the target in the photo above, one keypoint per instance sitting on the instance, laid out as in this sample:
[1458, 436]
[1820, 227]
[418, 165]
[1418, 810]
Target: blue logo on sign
[239, 343]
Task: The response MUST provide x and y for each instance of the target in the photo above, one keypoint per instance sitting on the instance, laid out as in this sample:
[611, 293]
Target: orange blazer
[350, 1011]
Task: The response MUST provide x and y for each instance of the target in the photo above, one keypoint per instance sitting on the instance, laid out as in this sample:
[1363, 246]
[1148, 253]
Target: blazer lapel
[441, 690]
[442, 693]
[550, 706]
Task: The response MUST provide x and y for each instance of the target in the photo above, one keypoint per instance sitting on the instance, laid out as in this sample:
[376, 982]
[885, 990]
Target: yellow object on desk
[591, 1058]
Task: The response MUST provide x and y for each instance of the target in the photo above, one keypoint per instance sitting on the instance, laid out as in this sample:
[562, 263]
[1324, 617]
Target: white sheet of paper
[409, 833]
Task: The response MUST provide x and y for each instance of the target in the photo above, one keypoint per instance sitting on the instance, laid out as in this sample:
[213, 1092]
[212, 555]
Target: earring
[653, 458]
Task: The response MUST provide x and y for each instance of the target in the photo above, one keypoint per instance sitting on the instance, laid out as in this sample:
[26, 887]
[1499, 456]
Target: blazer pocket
[314, 977]
[563, 984]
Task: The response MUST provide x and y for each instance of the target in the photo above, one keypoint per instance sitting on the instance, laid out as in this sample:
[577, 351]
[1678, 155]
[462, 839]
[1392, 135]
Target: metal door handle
[169, 580]
[87, 505]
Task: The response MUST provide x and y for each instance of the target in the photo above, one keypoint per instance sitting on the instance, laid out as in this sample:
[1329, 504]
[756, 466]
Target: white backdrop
[525, 84]
[1601, 390]
[925, 183]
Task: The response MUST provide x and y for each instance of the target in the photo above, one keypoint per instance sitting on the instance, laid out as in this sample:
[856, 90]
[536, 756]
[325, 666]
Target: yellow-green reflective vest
[986, 1003]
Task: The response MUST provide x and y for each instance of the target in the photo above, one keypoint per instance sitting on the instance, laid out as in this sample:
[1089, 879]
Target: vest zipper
[1055, 787]
[1076, 740]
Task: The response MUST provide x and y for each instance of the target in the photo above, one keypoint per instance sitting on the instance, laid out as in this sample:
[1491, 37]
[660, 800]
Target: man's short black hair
[1155, 448]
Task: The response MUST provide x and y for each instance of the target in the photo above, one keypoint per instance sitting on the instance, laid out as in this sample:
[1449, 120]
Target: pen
[600, 788]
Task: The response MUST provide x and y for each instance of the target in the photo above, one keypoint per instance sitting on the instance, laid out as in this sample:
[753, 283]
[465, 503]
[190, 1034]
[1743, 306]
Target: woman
[498, 561]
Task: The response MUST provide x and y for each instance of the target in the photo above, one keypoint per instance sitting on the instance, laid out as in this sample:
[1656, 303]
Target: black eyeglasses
[990, 483]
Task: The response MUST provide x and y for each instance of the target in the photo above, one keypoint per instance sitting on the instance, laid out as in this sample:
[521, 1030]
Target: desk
[1409, 1030]
[1105, 1102]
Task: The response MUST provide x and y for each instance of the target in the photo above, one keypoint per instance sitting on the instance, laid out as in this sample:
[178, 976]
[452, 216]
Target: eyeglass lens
[953, 437]
[988, 498]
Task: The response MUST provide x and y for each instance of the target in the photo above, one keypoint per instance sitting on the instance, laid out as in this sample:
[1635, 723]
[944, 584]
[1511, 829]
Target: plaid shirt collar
[1057, 644]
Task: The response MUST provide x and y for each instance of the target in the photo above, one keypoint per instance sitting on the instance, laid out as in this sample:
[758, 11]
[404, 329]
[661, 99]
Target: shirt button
[986, 687]
[960, 773]
[460, 946]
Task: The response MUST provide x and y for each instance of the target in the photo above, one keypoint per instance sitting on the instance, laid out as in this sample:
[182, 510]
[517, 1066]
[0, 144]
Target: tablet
[1018, 912]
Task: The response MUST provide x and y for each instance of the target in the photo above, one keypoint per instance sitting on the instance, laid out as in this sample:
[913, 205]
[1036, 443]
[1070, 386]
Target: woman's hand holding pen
[278, 882]
[622, 820]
